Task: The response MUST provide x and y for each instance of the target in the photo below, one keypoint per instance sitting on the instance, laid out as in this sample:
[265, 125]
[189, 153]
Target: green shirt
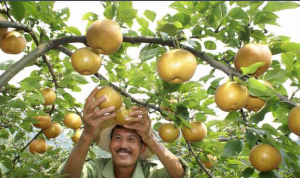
[103, 168]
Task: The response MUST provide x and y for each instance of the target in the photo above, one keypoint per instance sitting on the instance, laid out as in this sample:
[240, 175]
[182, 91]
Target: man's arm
[143, 127]
[91, 118]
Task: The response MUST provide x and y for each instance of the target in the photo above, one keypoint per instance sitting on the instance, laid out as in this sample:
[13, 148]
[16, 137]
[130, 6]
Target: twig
[293, 94]
[198, 161]
[27, 145]
[7, 12]
[243, 115]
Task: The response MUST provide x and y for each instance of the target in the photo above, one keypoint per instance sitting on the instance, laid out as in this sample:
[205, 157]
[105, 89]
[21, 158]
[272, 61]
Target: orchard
[210, 74]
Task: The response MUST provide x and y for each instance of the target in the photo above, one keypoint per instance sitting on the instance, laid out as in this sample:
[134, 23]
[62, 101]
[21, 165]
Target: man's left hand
[142, 122]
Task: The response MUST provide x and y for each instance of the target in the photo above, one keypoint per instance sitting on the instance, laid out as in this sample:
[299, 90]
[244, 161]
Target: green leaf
[233, 147]
[90, 16]
[6, 64]
[156, 126]
[200, 117]
[69, 98]
[167, 27]
[259, 89]
[248, 172]
[110, 12]
[148, 52]
[180, 8]
[73, 30]
[17, 103]
[150, 15]
[252, 68]
[238, 13]
[276, 76]
[30, 8]
[184, 19]
[291, 46]
[269, 174]
[210, 45]
[4, 133]
[127, 15]
[18, 10]
[264, 17]
[143, 22]
[288, 59]
[26, 126]
[274, 6]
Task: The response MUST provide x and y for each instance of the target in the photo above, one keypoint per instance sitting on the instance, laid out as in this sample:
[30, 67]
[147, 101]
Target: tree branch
[37, 42]
[27, 145]
[53, 44]
[198, 161]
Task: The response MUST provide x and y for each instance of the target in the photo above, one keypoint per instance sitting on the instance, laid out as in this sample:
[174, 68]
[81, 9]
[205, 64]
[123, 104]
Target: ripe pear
[231, 96]
[3, 30]
[53, 130]
[104, 36]
[12, 43]
[113, 98]
[77, 135]
[294, 120]
[49, 96]
[176, 66]
[252, 53]
[121, 115]
[72, 120]
[197, 132]
[38, 146]
[265, 157]
[85, 61]
[255, 103]
[44, 122]
[168, 132]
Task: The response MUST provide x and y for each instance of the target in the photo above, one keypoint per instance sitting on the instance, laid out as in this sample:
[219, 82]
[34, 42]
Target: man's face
[125, 147]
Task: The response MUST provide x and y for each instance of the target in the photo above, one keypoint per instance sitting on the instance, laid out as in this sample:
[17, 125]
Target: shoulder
[151, 163]
[97, 161]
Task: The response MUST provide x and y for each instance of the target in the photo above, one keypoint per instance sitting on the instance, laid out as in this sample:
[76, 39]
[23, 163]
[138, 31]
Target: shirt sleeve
[163, 173]
[89, 169]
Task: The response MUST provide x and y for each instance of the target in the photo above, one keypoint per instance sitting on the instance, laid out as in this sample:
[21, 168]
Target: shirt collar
[108, 171]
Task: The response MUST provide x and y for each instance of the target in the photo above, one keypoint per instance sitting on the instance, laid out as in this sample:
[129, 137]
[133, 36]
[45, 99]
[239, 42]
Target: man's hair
[119, 126]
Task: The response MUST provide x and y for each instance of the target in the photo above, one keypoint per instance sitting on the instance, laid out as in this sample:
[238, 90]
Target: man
[130, 146]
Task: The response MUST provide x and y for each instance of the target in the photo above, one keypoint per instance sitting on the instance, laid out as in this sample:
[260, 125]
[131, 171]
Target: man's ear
[143, 148]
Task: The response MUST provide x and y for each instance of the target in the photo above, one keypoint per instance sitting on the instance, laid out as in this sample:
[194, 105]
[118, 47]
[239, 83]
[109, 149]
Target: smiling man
[130, 146]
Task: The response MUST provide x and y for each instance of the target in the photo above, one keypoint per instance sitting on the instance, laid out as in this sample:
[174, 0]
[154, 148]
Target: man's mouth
[123, 152]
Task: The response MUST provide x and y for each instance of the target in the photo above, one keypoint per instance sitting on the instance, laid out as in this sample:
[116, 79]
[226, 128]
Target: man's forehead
[125, 131]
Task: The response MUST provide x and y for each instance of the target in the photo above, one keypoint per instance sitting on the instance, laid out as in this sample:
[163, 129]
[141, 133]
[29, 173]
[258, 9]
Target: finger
[137, 108]
[106, 117]
[133, 119]
[102, 112]
[138, 113]
[134, 127]
[96, 103]
[91, 97]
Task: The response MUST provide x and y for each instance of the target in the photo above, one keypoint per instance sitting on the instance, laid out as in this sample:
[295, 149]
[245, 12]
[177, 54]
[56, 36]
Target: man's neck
[123, 172]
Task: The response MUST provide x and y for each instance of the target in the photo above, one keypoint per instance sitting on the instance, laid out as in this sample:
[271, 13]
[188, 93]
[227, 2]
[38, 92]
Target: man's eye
[131, 139]
[117, 138]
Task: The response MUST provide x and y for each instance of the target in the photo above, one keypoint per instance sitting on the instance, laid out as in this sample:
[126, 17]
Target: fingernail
[104, 96]
[127, 119]
[111, 108]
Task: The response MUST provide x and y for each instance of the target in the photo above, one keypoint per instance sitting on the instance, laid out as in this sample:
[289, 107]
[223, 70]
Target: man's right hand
[92, 116]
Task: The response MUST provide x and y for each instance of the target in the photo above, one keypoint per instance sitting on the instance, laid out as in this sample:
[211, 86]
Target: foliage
[202, 25]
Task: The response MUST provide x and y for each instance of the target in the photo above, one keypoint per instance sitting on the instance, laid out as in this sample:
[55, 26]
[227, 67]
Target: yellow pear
[12, 43]
[104, 36]
[85, 61]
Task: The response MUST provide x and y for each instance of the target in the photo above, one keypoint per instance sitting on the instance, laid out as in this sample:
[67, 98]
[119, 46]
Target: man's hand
[142, 122]
[92, 117]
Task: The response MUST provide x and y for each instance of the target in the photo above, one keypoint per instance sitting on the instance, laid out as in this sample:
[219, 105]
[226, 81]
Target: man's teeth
[123, 154]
